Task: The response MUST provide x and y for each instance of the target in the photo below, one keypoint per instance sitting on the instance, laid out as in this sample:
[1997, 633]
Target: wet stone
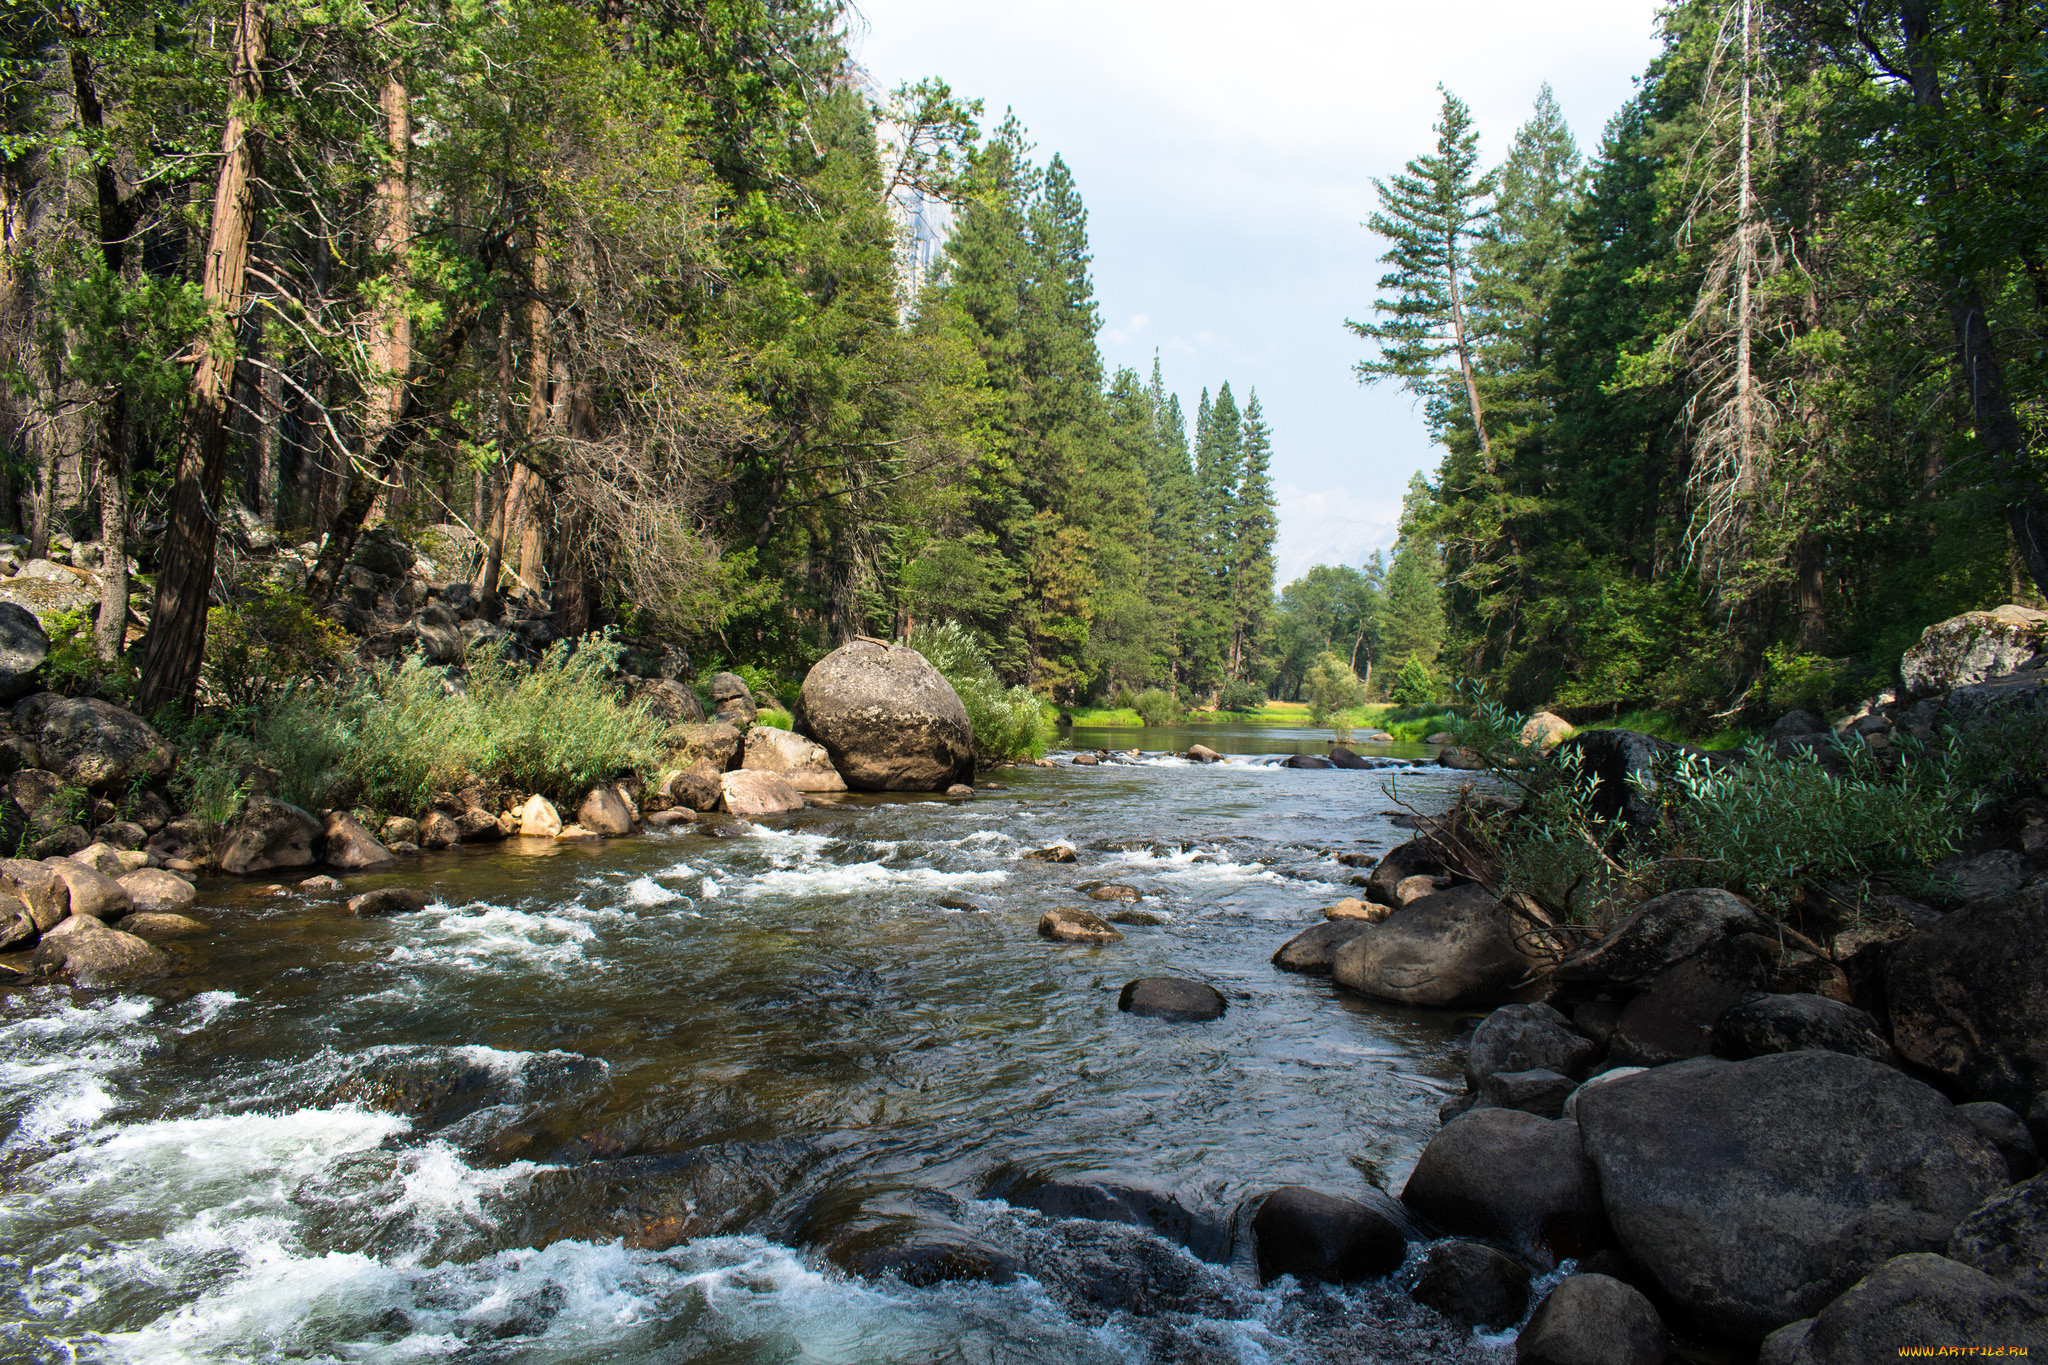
[1171, 998]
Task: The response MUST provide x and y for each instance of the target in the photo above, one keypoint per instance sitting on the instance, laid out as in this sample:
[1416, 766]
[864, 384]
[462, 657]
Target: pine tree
[1414, 617]
[1253, 528]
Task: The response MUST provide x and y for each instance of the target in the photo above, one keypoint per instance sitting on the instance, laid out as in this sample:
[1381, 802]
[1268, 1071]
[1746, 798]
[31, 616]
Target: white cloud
[1122, 335]
[1331, 526]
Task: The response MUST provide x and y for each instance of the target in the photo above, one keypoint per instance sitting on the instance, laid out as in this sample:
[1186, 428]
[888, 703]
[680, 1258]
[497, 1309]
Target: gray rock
[887, 718]
[715, 744]
[1315, 1236]
[1313, 950]
[92, 892]
[731, 700]
[1526, 1038]
[1592, 1320]
[1114, 1197]
[753, 793]
[387, 900]
[1457, 948]
[40, 595]
[439, 830]
[1473, 1285]
[440, 637]
[91, 954]
[1307, 761]
[122, 834]
[1973, 647]
[1969, 999]
[348, 847]
[670, 701]
[798, 761]
[46, 896]
[1793, 724]
[269, 835]
[1674, 1018]
[2007, 1132]
[1658, 934]
[1980, 876]
[1917, 1299]
[156, 892]
[1202, 753]
[1834, 1163]
[1538, 1092]
[23, 648]
[604, 812]
[1413, 859]
[1171, 998]
[1065, 925]
[1512, 1178]
[93, 744]
[2007, 1238]
[1787, 1023]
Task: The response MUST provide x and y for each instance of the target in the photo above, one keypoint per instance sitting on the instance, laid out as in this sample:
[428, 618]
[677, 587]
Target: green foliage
[1242, 695]
[1331, 687]
[1414, 684]
[1008, 723]
[75, 669]
[775, 719]
[269, 644]
[1157, 706]
[214, 781]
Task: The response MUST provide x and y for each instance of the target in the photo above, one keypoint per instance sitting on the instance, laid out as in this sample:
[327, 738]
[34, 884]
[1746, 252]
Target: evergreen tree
[1413, 622]
[1252, 531]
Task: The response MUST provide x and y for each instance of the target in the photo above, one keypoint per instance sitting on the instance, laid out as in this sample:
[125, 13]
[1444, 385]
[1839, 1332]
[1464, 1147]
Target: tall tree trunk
[501, 479]
[177, 631]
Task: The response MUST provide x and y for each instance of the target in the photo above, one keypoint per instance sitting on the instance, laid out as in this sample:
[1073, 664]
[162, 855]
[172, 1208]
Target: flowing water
[649, 1100]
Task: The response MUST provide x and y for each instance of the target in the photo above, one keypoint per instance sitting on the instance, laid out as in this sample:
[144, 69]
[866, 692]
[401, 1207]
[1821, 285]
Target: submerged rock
[387, 900]
[152, 924]
[1075, 926]
[1171, 998]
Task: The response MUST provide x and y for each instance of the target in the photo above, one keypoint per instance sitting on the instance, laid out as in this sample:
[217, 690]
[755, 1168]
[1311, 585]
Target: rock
[1410, 889]
[121, 834]
[387, 900]
[605, 811]
[1917, 1300]
[1439, 737]
[1307, 761]
[1787, 1023]
[1313, 949]
[1979, 877]
[153, 891]
[1598, 1019]
[1371, 912]
[1053, 853]
[1136, 917]
[576, 834]
[39, 592]
[1113, 1197]
[887, 719]
[1457, 948]
[439, 830]
[46, 896]
[1085, 760]
[1969, 999]
[1525, 1038]
[93, 955]
[669, 701]
[1537, 1092]
[399, 829]
[2006, 1131]
[1315, 1236]
[1473, 1285]
[959, 791]
[1973, 647]
[1674, 1018]
[666, 819]
[1113, 891]
[92, 893]
[1660, 933]
[1513, 1178]
[109, 861]
[1342, 757]
[538, 818]
[1834, 1163]
[1626, 766]
[384, 551]
[795, 759]
[731, 700]
[1544, 731]
[269, 834]
[1414, 858]
[23, 648]
[349, 847]
[159, 924]
[320, 886]
[440, 636]
[1794, 724]
[1172, 999]
[753, 793]
[2007, 1238]
[1075, 926]
[1202, 753]
[59, 843]
[1592, 1320]
[1461, 759]
[714, 743]
[92, 744]
[697, 787]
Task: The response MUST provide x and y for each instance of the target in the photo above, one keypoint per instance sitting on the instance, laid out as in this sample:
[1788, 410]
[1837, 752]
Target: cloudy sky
[1226, 154]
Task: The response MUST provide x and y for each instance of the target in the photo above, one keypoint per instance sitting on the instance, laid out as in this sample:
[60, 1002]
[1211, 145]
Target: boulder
[348, 847]
[1527, 1037]
[125, 834]
[697, 787]
[439, 830]
[576, 834]
[162, 924]
[1202, 753]
[90, 954]
[1371, 912]
[1113, 891]
[751, 793]
[538, 818]
[1545, 731]
[1412, 859]
[1512, 1178]
[1342, 757]
[1674, 1017]
[1315, 1236]
[959, 791]
[59, 842]
[669, 701]
[665, 819]
[1457, 948]
[795, 759]
[1137, 917]
[43, 589]
[2007, 1238]
[1473, 1285]
[1171, 998]
[1973, 647]
[92, 892]
[888, 720]
[1834, 1163]
[93, 744]
[1461, 759]
[2007, 1132]
[731, 700]
[1627, 767]
[23, 648]
[1959, 878]
[399, 829]
[1538, 1092]
[714, 744]
[606, 812]
[1075, 926]
[1415, 888]
[1969, 999]
[1086, 760]
[1113, 1197]
[1659, 933]
[156, 892]
[387, 900]
[1794, 724]
[1307, 761]
[46, 896]
[1313, 950]
[1592, 1320]
[1787, 1023]
[440, 636]
[1051, 853]
[269, 834]
[1915, 1300]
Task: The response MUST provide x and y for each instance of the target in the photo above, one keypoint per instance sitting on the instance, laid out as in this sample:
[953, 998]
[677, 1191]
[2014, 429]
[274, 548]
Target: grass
[1661, 726]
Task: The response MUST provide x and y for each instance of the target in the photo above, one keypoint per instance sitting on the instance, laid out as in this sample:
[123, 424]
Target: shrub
[1008, 722]
[267, 645]
[75, 669]
[1331, 687]
[1242, 695]
[1414, 684]
[1157, 706]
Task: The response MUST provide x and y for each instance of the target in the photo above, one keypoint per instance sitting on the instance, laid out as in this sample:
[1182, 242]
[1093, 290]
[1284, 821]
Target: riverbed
[647, 1100]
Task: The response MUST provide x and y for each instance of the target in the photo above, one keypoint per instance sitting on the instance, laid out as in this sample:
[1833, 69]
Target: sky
[1226, 154]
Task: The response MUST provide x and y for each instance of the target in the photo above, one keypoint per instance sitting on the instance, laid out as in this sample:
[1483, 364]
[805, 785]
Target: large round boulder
[269, 835]
[1457, 948]
[888, 720]
[1592, 1320]
[1969, 999]
[93, 744]
[1918, 1300]
[1757, 1191]
[90, 954]
[1315, 1236]
[23, 648]
[1171, 998]
[1972, 647]
[1787, 1023]
[1658, 934]
[1510, 1177]
[1527, 1038]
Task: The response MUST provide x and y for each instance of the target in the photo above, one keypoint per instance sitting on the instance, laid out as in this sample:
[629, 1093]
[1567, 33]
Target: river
[640, 1101]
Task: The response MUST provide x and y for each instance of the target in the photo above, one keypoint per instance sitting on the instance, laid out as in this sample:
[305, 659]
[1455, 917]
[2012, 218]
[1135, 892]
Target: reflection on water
[645, 1100]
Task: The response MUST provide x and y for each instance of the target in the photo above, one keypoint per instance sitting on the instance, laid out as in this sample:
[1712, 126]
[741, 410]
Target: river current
[645, 1100]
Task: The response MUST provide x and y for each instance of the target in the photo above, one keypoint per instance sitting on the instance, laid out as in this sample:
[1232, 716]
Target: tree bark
[177, 634]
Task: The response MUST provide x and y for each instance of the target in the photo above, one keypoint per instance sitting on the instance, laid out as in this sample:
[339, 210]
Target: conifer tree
[1253, 528]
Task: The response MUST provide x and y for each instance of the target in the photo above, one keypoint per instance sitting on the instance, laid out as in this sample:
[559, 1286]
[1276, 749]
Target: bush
[1009, 723]
[1331, 687]
[75, 669]
[1157, 706]
[1414, 684]
[268, 645]
[1242, 695]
